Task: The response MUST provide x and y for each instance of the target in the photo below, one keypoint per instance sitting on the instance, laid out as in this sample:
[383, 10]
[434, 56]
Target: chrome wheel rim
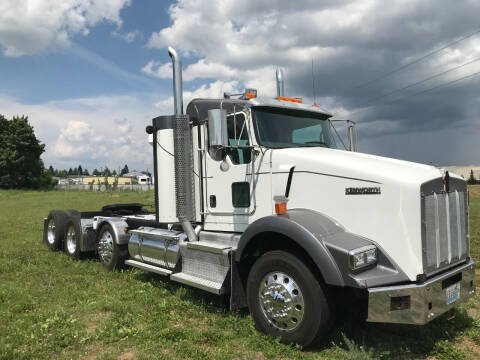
[71, 242]
[105, 247]
[281, 301]
[51, 231]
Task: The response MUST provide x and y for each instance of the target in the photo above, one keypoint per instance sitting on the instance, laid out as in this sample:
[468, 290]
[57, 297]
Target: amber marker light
[250, 96]
[295, 100]
[281, 208]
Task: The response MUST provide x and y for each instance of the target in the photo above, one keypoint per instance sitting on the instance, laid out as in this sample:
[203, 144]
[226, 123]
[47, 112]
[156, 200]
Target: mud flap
[238, 296]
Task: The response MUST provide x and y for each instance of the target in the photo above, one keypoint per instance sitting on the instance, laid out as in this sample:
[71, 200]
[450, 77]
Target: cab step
[198, 282]
[209, 246]
[148, 267]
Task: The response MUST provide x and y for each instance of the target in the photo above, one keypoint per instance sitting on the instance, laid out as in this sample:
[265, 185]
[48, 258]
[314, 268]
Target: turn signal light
[295, 100]
[281, 208]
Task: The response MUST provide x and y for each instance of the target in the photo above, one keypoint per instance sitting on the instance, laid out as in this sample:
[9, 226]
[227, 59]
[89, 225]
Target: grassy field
[52, 307]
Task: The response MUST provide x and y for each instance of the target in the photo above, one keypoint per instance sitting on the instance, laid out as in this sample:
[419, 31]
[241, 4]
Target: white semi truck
[254, 201]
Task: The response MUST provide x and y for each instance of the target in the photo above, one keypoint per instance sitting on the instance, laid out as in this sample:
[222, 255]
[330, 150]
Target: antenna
[313, 86]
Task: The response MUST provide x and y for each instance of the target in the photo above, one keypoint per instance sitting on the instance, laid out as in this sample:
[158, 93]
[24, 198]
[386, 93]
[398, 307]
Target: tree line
[472, 180]
[80, 171]
[20, 164]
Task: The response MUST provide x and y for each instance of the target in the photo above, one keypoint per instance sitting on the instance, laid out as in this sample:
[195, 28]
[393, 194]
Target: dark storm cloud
[351, 43]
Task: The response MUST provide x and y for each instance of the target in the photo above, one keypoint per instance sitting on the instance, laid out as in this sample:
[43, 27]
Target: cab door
[230, 194]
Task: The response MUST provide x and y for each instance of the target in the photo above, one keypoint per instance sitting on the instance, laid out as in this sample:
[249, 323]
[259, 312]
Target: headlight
[361, 257]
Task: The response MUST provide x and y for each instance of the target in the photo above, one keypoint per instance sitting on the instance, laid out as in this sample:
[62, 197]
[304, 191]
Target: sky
[91, 74]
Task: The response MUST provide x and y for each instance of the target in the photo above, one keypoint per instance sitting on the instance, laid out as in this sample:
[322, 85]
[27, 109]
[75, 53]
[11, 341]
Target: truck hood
[371, 196]
[353, 165]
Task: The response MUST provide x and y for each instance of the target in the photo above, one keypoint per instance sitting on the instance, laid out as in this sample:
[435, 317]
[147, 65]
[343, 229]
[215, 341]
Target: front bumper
[420, 303]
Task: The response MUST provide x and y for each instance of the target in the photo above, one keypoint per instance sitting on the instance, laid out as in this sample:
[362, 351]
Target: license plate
[453, 293]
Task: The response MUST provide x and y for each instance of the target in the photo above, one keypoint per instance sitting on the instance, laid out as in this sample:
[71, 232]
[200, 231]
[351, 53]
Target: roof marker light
[295, 100]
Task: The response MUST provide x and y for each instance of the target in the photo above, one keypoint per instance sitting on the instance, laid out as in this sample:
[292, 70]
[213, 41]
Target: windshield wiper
[317, 143]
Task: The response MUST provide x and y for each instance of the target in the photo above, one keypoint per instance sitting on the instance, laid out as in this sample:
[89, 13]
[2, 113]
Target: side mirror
[217, 128]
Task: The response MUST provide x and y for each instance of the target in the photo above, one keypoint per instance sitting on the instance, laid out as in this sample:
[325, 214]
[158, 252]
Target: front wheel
[112, 255]
[287, 300]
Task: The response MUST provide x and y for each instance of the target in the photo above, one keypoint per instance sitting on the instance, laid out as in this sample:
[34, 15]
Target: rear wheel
[72, 239]
[54, 229]
[112, 256]
[287, 300]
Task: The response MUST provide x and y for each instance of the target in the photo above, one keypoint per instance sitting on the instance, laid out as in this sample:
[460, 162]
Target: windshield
[283, 128]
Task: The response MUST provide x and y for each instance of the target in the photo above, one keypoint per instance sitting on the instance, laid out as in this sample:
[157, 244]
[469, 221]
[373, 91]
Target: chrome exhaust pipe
[177, 81]
[182, 138]
[280, 85]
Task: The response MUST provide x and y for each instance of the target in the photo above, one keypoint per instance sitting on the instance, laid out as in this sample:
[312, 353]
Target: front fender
[306, 228]
[328, 244]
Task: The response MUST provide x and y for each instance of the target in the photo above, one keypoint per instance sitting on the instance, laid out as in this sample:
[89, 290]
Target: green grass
[52, 307]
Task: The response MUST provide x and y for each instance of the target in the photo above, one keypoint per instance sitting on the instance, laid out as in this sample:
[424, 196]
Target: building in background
[122, 180]
[140, 177]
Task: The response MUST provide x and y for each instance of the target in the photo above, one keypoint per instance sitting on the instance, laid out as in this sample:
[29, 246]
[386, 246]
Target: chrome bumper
[419, 304]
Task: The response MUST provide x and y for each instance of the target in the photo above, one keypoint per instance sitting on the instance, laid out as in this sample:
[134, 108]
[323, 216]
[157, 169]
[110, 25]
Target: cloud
[212, 90]
[351, 44]
[93, 132]
[199, 70]
[30, 27]
[128, 37]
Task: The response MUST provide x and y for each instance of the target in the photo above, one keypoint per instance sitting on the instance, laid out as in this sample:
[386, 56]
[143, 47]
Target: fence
[102, 187]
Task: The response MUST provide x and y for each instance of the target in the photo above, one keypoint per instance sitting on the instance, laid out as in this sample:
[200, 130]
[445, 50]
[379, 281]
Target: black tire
[54, 229]
[111, 255]
[73, 236]
[302, 320]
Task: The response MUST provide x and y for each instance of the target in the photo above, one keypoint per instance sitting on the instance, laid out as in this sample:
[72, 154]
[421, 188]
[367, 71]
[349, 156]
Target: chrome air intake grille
[444, 224]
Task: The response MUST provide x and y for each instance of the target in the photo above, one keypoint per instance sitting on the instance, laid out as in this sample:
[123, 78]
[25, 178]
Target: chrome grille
[444, 226]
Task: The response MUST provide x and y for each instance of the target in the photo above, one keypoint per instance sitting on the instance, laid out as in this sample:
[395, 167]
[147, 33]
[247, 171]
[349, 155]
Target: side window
[241, 194]
[238, 136]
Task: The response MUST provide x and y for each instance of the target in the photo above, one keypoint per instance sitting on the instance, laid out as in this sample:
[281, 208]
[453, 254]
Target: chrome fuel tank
[158, 247]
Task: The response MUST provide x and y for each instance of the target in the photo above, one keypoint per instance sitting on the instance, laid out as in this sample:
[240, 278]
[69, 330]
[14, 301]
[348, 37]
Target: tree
[96, 172]
[79, 170]
[471, 179]
[51, 170]
[86, 173]
[70, 172]
[20, 151]
[105, 180]
[107, 171]
[124, 170]
[114, 172]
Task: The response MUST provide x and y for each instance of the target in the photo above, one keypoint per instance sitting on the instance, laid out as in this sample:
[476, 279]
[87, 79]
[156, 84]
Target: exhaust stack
[280, 86]
[183, 155]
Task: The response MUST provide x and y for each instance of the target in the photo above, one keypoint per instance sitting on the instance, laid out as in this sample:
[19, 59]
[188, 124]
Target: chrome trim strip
[459, 228]
[437, 230]
[449, 236]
